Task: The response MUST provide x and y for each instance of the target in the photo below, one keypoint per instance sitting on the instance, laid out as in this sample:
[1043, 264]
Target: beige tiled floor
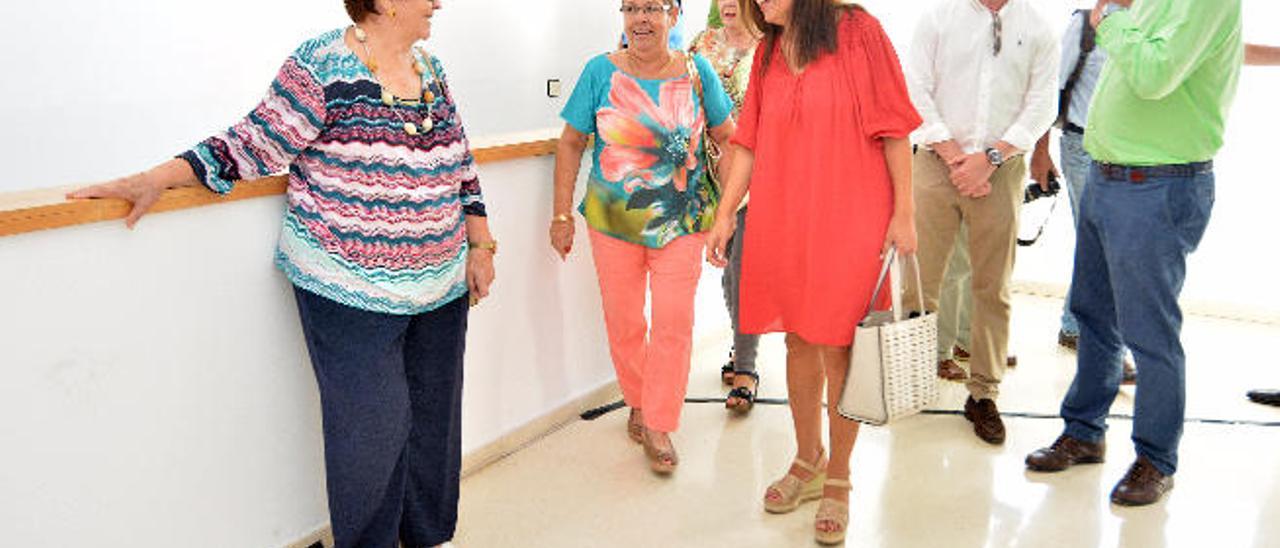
[926, 482]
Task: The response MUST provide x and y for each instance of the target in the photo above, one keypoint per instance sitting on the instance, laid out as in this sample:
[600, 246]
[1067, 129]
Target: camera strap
[1033, 193]
[1040, 231]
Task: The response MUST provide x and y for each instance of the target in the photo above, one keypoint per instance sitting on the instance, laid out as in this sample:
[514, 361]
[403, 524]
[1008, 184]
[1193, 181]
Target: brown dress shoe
[1130, 372]
[962, 355]
[986, 420]
[951, 371]
[1066, 452]
[1142, 485]
[1068, 341]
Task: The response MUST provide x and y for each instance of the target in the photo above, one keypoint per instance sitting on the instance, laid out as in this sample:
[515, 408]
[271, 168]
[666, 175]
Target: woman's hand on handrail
[142, 190]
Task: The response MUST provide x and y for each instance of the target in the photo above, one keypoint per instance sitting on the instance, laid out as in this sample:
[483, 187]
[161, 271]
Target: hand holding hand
[972, 174]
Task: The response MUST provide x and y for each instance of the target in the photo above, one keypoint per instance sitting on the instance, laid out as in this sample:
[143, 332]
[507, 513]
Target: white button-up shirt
[966, 92]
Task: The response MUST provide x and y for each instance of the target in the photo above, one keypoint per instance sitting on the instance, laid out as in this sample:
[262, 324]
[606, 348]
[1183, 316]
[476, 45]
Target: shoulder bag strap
[712, 151]
[1088, 41]
[692, 68]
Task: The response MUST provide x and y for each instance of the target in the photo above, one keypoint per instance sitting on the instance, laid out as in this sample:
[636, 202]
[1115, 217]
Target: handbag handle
[884, 274]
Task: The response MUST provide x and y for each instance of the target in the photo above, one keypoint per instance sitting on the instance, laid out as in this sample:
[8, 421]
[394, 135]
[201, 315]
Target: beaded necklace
[389, 99]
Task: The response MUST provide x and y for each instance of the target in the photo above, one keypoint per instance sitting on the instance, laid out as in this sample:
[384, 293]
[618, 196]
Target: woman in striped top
[384, 238]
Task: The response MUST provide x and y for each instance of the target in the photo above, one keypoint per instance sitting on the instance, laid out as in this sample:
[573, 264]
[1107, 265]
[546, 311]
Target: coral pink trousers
[652, 362]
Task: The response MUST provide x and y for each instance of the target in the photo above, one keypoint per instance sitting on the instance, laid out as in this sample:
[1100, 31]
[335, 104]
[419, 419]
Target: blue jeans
[391, 406]
[1132, 243]
[1075, 170]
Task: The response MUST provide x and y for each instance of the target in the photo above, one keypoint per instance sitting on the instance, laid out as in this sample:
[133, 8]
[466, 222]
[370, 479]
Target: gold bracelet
[491, 245]
[562, 218]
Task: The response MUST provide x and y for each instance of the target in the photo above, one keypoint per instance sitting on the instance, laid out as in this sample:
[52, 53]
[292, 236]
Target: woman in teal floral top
[646, 207]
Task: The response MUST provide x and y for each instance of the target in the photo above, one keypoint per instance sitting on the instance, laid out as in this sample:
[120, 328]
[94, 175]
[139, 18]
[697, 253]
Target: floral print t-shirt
[733, 64]
[647, 160]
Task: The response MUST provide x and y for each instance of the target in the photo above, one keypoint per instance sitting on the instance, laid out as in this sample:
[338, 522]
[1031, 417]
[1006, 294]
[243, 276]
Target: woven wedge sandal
[794, 491]
[834, 512]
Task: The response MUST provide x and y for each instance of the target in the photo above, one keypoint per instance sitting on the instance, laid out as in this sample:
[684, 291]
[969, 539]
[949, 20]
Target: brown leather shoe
[1130, 373]
[1142, 485]
[962, 355]
[986, 420]
[1066, 452]
[1068, 341]
[951, 371]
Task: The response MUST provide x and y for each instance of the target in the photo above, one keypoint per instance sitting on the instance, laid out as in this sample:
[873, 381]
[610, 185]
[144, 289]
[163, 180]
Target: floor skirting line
[593, 414]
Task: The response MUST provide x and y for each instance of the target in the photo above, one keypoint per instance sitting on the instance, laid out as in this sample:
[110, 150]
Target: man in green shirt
[1156, 122]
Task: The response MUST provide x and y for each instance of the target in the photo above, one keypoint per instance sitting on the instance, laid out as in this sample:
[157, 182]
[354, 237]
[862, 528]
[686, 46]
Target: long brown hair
[816, 25]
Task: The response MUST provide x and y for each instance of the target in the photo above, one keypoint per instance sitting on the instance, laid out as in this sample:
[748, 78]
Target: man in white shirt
[984, 76]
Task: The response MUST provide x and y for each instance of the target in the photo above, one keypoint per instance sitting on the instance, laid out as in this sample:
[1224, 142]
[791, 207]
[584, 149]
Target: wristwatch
[994, 156]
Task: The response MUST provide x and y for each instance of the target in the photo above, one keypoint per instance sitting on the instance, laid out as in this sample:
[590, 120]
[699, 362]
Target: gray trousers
[744, 346]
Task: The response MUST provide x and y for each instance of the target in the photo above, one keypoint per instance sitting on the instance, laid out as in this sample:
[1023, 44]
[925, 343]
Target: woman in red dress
[822, 144]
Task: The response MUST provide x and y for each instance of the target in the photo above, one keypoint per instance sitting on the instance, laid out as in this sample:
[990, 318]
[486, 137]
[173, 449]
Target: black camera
[1034, 192]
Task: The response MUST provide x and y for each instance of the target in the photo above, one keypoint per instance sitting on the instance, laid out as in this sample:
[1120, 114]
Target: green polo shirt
[1169, 81]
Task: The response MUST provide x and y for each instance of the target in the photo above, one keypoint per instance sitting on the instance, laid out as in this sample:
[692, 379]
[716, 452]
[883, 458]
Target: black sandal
[746, 397]
[726, 372]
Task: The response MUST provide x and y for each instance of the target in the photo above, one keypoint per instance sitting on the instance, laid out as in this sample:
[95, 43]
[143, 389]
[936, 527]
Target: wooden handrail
[48, 208]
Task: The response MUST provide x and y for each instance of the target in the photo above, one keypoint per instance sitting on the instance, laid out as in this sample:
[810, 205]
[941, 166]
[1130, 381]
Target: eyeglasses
[997, 29]
[649, 10]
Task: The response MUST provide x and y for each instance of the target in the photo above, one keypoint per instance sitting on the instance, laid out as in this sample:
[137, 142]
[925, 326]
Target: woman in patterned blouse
[646, 207]
[384, 238]
[730, 44]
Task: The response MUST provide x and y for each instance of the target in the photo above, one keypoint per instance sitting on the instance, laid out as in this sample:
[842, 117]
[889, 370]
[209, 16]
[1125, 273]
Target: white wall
[156, 390]
[155, 385]
[99, 88]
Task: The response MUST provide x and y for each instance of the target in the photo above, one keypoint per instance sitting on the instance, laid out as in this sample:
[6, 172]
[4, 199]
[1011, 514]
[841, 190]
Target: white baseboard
[538, 428]
[323, 535]
[508, 444]
[1204, 309]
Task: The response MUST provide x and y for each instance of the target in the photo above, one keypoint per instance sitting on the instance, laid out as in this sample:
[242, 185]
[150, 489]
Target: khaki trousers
[992, 240]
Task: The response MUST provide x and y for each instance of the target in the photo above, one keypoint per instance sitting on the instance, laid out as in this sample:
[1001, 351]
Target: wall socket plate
[553, 87]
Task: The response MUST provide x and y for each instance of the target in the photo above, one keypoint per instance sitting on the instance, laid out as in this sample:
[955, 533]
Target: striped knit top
[374, 216]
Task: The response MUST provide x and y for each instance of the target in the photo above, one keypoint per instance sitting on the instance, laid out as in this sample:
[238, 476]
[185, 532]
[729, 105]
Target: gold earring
[393, 13]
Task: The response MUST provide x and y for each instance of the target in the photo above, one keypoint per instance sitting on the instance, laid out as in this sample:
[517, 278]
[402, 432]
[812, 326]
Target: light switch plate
[553, 87]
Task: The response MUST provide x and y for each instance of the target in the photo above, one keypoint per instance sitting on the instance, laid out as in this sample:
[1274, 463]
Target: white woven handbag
[893, 365]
